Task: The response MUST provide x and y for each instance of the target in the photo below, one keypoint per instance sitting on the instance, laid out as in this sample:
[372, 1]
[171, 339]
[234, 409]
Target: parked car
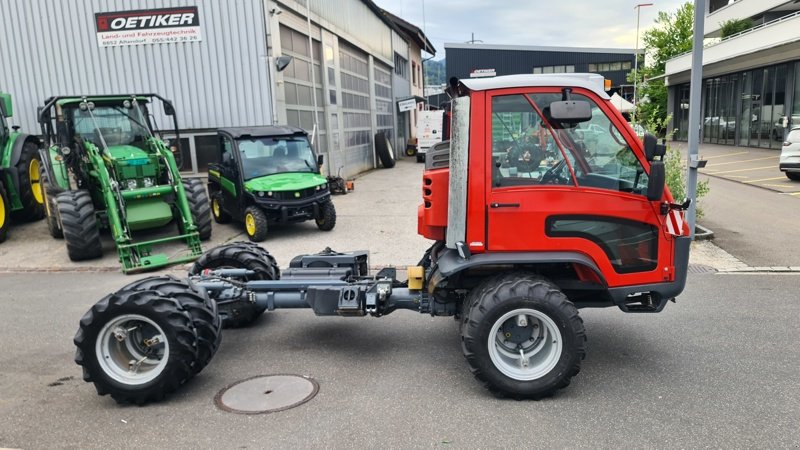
[789, 162]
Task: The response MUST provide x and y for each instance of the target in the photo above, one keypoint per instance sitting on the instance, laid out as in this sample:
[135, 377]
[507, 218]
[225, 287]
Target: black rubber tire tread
[420, 157]
[79, 225]
[327, 216]
[51, 208]
[498, 295]
[223, 216]
[239, 255]
[199, 206]
[6, 208]
[31, 209]
[168, 314]
[262, 227]
[794, 176]
[195, 301]
[384, 150]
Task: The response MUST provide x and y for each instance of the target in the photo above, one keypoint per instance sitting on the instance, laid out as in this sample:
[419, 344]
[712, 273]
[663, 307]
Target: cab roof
[590, 81]
[273, 130]
[100, 99]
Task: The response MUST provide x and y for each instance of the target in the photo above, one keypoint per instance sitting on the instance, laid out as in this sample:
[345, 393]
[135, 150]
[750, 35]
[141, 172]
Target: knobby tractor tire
[199, 206]
[384, 150]
[217, 211]
[255, 224]
[136, 346]
[30, 188]
[49, 193]
[239, 255]
[194, 300]
[551, 336]
[79, 225]
[5, 210]
[327, 216]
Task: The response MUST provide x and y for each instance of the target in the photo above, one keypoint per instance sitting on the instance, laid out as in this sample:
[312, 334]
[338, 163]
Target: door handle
[504, 205]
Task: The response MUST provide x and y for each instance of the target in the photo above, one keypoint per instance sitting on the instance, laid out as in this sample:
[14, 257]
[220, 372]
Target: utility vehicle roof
[590, 81]
[275, 130]
[98, 99]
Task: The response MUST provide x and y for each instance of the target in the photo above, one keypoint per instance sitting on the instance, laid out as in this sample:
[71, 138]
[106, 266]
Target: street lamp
[636, 54]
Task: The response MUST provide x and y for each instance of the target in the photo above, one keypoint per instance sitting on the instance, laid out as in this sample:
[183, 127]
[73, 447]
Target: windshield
[116, 125]
[270, 155]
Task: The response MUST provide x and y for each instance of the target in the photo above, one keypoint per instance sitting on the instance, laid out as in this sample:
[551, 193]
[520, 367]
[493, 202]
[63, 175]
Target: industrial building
[223, 64]
[751, 79]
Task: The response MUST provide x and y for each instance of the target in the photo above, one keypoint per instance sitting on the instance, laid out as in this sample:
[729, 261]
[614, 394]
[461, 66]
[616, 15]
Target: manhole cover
[266, 393]
[700, 268]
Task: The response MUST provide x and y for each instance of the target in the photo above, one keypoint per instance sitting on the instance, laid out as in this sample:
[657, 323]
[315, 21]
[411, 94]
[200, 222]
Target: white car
[790, 155]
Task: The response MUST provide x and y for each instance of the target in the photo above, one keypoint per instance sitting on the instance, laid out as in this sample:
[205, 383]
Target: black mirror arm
[667, 207]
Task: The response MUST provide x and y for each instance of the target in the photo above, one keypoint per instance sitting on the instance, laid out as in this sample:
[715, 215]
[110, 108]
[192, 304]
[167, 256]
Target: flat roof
[534, 48]
[590, 81]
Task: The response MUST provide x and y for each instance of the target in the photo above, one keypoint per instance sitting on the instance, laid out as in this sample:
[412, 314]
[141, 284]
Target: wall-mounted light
[281, 62]
[274, 11]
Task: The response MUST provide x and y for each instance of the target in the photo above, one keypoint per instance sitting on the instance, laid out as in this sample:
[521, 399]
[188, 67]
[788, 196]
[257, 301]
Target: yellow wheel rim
[250, 224]
[2, 212]
[33, 178]
[215, 207]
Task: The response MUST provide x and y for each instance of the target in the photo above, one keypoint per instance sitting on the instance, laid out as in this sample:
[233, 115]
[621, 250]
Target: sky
[557, 23]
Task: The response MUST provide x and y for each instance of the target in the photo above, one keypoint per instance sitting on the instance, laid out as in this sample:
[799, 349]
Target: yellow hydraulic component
[416, 277]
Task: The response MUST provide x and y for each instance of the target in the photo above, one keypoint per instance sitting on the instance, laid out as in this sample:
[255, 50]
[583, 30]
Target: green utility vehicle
[20, 191]
[104, 168]
[268, 175]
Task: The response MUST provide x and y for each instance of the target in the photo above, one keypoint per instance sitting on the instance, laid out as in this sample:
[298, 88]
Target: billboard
[148, 26]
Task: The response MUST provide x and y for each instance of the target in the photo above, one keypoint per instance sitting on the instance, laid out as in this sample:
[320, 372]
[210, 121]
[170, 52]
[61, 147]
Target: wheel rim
[528, 352]
[250, 224]
[33, 178]
[215, 207]
[132, 349]
[2, 211]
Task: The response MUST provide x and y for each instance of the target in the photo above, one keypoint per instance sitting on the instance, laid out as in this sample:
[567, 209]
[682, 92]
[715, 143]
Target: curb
[702, 233]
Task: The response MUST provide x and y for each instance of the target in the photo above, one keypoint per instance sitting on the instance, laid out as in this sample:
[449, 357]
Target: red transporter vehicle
[543, 202]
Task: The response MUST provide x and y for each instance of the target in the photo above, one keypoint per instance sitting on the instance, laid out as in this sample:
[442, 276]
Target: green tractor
[104, 168]
[268, 175]
[20, 191]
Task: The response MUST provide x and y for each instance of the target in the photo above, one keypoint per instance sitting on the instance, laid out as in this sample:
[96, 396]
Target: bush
[675, 169]
[733, 26]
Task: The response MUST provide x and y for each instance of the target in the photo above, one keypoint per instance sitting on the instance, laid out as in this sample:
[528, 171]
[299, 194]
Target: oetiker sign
[148, 26]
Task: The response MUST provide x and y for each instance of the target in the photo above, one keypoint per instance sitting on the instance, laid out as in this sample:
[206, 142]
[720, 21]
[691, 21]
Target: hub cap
[2, 211]
[215, 207]
[525, 344]
[132, 349]
[33, 177]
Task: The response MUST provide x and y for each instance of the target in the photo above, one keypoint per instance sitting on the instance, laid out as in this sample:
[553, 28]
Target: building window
[413, 73]
[626, 65]
[537, 70]
[592, 67]
[547, 69]
[570, 69]
[400, 66]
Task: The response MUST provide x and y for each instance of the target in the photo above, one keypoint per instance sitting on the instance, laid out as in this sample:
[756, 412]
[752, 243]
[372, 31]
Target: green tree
[670, 37]
[733, 26]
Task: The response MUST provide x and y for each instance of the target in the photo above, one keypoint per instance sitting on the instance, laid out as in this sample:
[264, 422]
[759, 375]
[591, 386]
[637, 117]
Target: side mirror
[320, 160]
[571, 111]
[169, 110]
[281, 62]
[6, 107]
[652, 148]
[656, 180]
[43, 114]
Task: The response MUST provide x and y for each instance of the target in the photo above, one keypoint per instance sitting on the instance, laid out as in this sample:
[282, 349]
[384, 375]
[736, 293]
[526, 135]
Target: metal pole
[694, 110]
[638, 9]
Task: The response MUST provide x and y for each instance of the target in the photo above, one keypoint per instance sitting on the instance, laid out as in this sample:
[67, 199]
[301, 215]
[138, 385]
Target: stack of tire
[147, 339]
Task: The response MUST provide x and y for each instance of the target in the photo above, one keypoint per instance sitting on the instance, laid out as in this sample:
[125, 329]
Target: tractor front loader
[20, 191]
[104, 168]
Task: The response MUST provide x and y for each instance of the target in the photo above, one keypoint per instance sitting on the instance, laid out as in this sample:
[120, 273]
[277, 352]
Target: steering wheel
[554, 174]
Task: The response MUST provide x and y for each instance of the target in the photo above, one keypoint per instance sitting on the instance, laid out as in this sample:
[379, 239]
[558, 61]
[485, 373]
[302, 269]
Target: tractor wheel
[384, 150]
[327, 216]
[198, 206]
[30, 188]
[50, 206]
[794, 176]
[136, 346]
[79, 225]
[198, 304]
[5, 209]
[255, 224]
[522, 337]
[217, 211]
[239, 255]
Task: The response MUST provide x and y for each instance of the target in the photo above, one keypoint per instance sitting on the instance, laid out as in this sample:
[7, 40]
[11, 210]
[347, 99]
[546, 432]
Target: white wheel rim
[122, 352]
[540, 353]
